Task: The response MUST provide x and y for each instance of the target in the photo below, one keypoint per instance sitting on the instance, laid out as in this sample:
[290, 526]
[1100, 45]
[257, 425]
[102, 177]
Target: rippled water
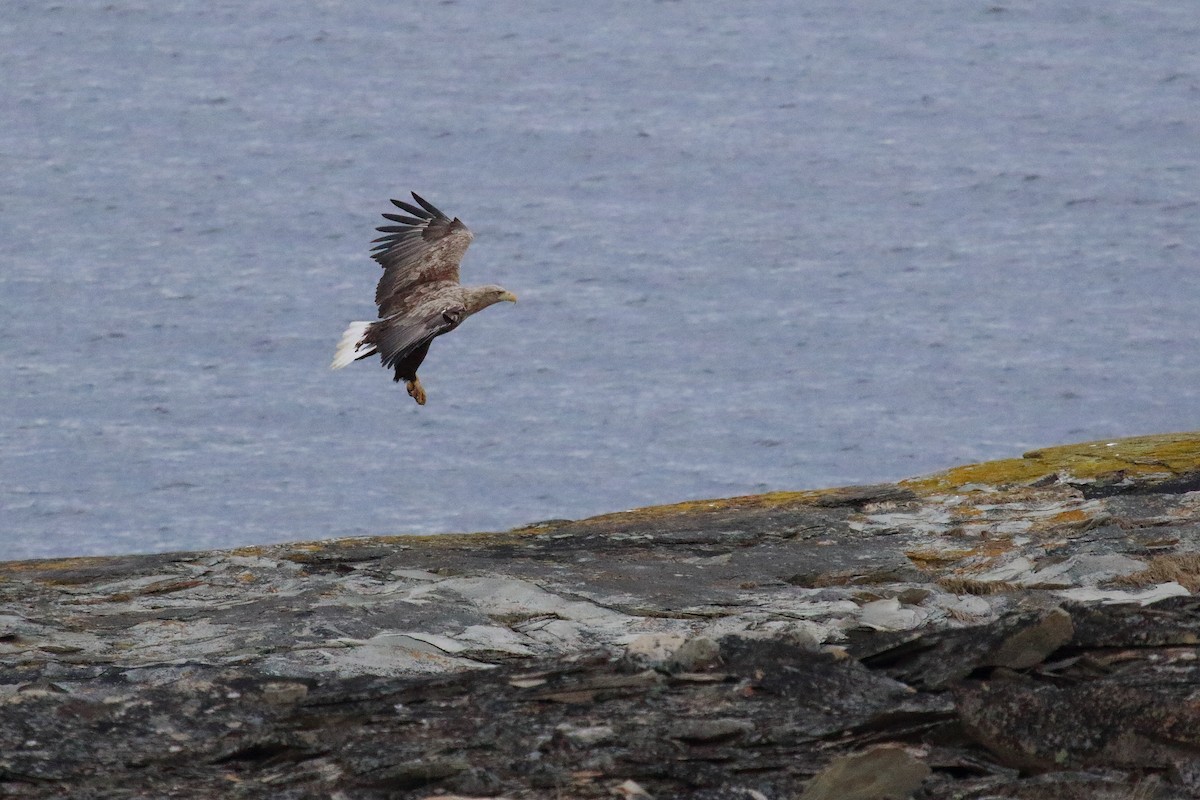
[758, 246]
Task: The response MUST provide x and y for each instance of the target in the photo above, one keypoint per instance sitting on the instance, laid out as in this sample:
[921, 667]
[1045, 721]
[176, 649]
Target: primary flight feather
[419, 295]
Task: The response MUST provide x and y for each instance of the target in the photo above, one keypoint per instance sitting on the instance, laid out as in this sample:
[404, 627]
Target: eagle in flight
[419, 296]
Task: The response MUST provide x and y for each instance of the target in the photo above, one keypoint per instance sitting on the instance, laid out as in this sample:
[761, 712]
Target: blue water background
[758, 246]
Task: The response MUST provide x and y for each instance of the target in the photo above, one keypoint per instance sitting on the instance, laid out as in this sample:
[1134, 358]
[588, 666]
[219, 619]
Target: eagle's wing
[439, 310]
[423, 248]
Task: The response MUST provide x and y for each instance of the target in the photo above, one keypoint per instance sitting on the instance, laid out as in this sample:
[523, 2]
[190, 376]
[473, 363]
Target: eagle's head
[480, 297]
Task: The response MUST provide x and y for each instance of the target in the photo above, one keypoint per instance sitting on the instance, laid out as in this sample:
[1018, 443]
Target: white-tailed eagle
[419, 296]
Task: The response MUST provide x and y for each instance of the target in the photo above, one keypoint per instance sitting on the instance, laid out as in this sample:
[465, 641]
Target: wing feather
[424, 248]
[410, 208]
[405, 220]
[428, 206]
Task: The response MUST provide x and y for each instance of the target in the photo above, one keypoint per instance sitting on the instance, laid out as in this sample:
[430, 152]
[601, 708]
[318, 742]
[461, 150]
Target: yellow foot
[416, 391]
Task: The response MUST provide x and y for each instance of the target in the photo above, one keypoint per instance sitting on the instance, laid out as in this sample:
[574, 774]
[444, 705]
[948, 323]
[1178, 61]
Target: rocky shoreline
[1019, 629]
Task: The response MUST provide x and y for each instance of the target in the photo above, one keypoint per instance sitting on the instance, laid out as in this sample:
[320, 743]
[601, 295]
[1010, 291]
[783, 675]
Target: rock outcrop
[1016, 629]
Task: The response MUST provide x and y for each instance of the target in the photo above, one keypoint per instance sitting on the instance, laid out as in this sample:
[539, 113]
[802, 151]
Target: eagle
[419, 295]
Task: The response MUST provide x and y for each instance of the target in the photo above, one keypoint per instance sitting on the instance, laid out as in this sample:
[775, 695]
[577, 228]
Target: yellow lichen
[1071, 517]
[979, 557]
[742, 503]
[54, 564]
[1164, 454]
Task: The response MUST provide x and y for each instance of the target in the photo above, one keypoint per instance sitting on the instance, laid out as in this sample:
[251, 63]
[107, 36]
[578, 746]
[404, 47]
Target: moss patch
[771, 500]
[1164, 454]
[54, 564]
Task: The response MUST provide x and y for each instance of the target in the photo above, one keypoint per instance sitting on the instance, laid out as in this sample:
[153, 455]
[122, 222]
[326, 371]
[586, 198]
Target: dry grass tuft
[957, 584]
[1183, 568]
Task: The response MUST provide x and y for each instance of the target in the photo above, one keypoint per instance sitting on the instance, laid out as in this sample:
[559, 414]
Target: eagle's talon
[416, 391]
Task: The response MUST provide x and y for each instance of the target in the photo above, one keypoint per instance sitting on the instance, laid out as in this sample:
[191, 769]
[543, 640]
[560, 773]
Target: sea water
[757, 246]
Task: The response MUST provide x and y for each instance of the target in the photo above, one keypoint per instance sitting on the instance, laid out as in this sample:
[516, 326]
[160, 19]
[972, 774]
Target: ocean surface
[758, 246]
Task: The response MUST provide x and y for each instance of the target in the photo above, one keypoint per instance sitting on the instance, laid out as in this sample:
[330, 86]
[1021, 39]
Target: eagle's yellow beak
[509, 296]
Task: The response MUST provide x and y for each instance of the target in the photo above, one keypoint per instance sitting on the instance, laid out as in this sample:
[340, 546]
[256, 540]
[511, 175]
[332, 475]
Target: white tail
[351, 347]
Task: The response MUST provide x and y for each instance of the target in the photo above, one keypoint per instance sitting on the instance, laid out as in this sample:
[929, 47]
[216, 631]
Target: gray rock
[881, 773]
[1031, 645]
[694, 654]
[711, 730]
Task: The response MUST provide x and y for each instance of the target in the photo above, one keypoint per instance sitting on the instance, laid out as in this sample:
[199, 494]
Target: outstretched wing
[438, 309]
[426, 247]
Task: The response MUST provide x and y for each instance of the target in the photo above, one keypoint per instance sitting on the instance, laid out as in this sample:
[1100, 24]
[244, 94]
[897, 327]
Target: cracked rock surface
[1016, 629]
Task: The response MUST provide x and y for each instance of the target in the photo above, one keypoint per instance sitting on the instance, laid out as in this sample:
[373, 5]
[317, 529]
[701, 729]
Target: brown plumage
[419, 295]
